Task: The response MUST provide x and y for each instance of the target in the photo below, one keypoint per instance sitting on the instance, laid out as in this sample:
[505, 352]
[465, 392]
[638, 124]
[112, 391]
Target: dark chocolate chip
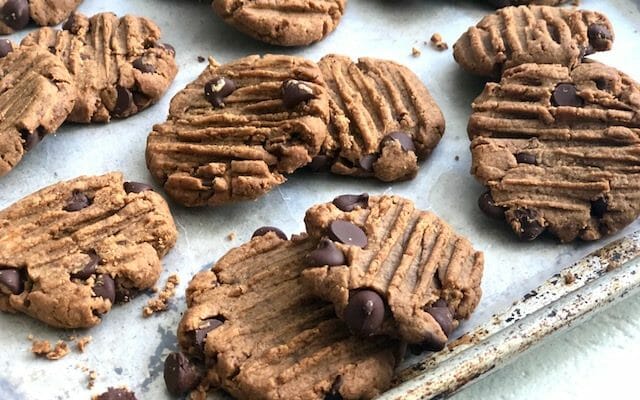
[349, 202]
[143, 67]
[489, 207]
[141, 100]
[266, 229]
[526, 158]
[443, 316]
[15, 13]
[217, 89]
[347, 233]
[327, 253]
[180, 376]
[334, 391]
[602, 84]
[5, 47]
[566, 95]
[11, 281]
[72, 24]
[117, 394]
[319, 163]
[105, 287]
[201, 59]
[77, 202]
[599, 207]
[405, 140]
[89, 269]
[124, 294]
[530, 228]
[295, 92]
[364, 312]
[124, 99]
[366, 162]
[136, 187]
[31, 139]
[169, 48]
[433, 344]
[200, 334]
[599, 37]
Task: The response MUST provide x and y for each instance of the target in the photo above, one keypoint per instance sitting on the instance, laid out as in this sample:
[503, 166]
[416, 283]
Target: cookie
[119, 65]
[237, 130]
[282, 22]
[532, 34]
[262, 335]
[392, 269]
[70, 251]
[36, 96]
[507, 3]
[15, 14]
[559, 150]
[383, 119]
[116, 394]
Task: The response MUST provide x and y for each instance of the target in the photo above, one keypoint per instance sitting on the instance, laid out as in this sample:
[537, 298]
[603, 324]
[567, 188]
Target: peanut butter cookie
[15, 14]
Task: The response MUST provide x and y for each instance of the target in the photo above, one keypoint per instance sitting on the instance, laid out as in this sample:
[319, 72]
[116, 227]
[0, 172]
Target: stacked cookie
[257, 325]
[16, 14]
[557, 139]
[91, 70]
[239, 128]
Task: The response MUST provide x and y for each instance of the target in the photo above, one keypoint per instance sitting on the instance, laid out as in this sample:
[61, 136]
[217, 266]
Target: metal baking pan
[129, 350]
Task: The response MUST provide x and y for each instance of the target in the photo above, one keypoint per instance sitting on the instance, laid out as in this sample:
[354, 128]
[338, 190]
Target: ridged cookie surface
[15, 14]
[262, 335]
[416, 276]
[70, 251]
[383, 118]
[237, 130]
[559, 150]
[532, 34]
[36, 96]
[119, 65]
[282, 22]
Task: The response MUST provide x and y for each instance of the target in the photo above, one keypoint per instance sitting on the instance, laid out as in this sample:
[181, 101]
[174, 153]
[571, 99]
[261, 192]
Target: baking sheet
[129, 350]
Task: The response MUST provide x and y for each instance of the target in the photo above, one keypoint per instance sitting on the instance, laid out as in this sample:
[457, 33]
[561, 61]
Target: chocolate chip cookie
[237, 130]
[70, 251]
[392, 269]
[260, 334]
[559, 150]
[532, 34]
[15, 14]
[383, 119]
[119, 65]
[282, 22]
[36, 96]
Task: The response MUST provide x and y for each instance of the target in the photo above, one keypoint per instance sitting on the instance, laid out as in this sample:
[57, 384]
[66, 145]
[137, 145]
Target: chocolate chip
[201, 59]
[366, 162]
[31, 139]
[566, 95]
[599, 207]
[116, 394]
[364, 312]
[77, 202]
[526, 158]
[327, 253]
[15, 13]
[143, 67]
[443, 316]
[599, 37]
[489, 207]
[200, 334]
[105, 287]
[141, 100]
[217, 89]
[5, 47]
[349, 202]
[433, 343]
[602, 84]
[11, 281]
[266, 229]
[136, 187]
[72, 24]
[334, 391]
[295, 92]
[180, 376]
[169, 48]
[530, 228]
[319, 163]
[124, 99]
[89, 269]
[405, 140]
[347, 233]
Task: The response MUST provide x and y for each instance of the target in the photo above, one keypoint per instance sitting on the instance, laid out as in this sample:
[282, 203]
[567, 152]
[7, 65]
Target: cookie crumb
[161, 301]
[42, 348]
[569, 278]
[201, 59]
[82, 343]
[438, 43]
[231, 236]
[415, 52]
[93, 375]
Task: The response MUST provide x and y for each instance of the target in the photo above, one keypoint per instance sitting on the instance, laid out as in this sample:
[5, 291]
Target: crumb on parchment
[161, 301]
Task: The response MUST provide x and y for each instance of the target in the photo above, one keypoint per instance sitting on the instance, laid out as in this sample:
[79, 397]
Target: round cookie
[413, 275]
[532, 34]
[15, 14]
[383, 119]
[36, 96]
[236, 131]
[70, 251]
[282, 22]
[559, 150]
[119, 65]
